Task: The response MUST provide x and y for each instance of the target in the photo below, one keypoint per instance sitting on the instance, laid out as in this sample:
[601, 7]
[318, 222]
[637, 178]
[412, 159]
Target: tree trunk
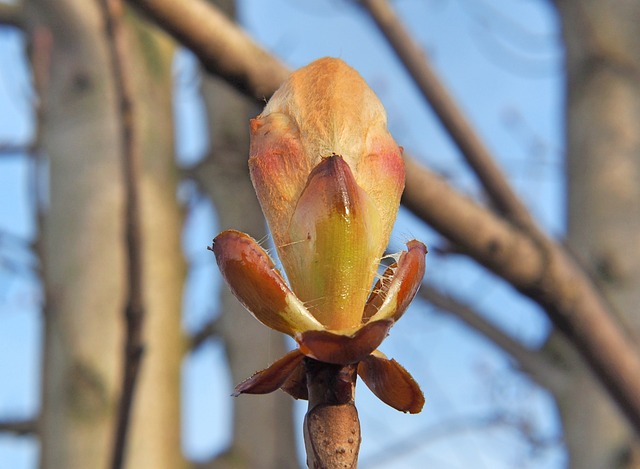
[83, 244]
[603, 174]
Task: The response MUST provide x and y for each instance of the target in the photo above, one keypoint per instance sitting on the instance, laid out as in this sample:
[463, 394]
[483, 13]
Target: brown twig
[452, 118]
[19, 427]
[134, 306]
[403, 447]
[331, 425]
[12, 15]
[531, 361]
[15, 149]
[41, 53]
[209, 330]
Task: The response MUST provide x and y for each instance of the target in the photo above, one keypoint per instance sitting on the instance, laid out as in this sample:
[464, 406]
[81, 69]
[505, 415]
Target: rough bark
[83, 268]
[603, 174]
[83, 258]
[263, 432]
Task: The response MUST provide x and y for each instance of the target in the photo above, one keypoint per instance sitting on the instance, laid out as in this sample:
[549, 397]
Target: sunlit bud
[329, 178]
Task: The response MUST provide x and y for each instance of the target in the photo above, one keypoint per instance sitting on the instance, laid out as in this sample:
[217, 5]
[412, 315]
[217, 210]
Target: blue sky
[501, 59]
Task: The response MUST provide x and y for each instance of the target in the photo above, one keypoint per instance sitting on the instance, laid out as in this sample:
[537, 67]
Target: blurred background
[502, 388]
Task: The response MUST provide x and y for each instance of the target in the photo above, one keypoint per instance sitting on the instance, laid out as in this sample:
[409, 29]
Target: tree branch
[19, 427]
[210, 329]
[41, 53]
[12, 15]
[532, 263]
[15, 149]
[430, 434]
[452, 118]
[539, 269]
[530, 361]
[134, 306]
[222, 47]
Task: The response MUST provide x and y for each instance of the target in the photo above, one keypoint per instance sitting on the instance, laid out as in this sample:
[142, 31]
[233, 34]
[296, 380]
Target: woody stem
[331, 425]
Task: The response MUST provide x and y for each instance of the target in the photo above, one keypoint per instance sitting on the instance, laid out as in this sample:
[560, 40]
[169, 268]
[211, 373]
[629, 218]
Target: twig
[15, 149]
[331, 425]
[222, 47]
[430, 434]
[452, 118]
[210, 329]
[40, 54]
[19, 427]
[12, 15]
[19, 241]
[530, 361]
[476, 322]
[134, 307]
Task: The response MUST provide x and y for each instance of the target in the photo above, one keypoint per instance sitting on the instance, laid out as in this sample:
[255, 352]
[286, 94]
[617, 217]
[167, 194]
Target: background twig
[531, 361]
[134, 307]
[19, 427]
[12, 15]
[210, 329]
[452, 118]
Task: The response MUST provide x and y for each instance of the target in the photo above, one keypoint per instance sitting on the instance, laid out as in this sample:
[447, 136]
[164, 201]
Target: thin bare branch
[41, 53]
[477, 322]
[477, 232]
[429, 435]
[134, 307]
[12, 15]
[15, 149]
[528, 360]
[452, 118]
[209, 330]
[19, 427]
[16, 240]
[456, 425]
